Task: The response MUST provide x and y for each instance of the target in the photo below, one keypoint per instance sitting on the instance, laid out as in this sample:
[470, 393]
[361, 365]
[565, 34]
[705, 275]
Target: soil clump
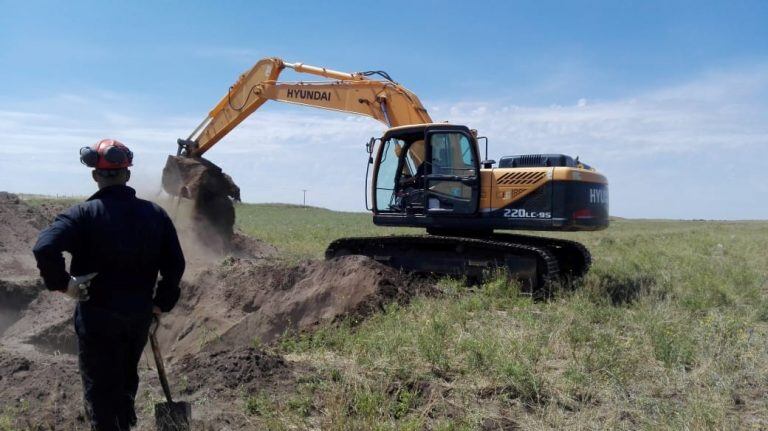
[211, 191]
[222, 369]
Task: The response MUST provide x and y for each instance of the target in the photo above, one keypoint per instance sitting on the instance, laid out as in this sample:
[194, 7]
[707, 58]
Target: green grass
[64, 202]
[668, 331]
[304, 232]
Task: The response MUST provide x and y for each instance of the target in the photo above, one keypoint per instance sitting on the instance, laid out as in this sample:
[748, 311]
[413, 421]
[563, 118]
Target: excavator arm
[191, 176]
[383, 100]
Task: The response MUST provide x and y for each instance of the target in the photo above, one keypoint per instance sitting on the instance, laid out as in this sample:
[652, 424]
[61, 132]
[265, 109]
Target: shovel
[169, 416]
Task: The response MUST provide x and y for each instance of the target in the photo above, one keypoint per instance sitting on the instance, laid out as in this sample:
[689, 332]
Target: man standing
[118, 244]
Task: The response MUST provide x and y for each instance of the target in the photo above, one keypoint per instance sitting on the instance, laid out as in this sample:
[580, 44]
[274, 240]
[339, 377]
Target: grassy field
[304, 232]
[668, 331]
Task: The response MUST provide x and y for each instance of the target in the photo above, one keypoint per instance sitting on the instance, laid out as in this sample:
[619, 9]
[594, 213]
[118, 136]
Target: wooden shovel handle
[159, 358]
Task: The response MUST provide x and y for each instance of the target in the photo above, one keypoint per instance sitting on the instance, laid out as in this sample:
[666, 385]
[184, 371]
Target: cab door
[451, 181]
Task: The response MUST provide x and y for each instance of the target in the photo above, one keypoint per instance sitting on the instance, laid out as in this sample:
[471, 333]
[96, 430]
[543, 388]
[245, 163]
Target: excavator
[424, 174]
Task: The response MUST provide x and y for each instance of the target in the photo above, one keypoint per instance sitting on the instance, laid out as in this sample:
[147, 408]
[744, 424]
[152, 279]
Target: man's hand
[78, 286]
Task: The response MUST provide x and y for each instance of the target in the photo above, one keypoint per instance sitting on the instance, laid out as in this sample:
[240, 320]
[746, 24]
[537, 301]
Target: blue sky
[669, 99]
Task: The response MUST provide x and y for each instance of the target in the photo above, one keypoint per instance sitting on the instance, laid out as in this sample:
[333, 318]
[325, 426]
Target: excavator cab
[425, 171]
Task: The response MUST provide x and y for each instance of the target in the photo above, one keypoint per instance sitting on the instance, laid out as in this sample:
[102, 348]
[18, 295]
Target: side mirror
[486, 145]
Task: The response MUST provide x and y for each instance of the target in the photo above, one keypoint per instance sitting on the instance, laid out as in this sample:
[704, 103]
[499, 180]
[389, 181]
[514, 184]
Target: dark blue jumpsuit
[127, 241]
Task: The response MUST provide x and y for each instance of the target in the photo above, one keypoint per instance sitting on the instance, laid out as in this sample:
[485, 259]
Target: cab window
[452, 155]
[385, 178]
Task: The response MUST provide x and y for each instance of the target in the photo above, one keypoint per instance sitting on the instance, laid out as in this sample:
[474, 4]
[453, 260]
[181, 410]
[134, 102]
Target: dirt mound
[243, 300]
[49, 210]
[19, 226]
[352, 286]
[41, 392]
[247, 247]
[240, 368]
[56, 338]
[45, 323]
[14, 298]
[217, 384]
[29, 315]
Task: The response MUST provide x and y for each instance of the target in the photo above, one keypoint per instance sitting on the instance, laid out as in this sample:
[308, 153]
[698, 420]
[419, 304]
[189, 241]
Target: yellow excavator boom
[383, 100]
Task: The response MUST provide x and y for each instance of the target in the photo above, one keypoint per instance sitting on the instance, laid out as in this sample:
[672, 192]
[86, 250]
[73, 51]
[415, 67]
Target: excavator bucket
[173, 176]
[211, 192]
[188, 177]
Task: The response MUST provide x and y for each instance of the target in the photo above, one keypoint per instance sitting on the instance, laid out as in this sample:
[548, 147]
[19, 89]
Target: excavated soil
[46, 323]
[19, 225]
[241, 301]
[229, 305]
[211, 191]
[243, 368]
[40, 392]
[14, 297]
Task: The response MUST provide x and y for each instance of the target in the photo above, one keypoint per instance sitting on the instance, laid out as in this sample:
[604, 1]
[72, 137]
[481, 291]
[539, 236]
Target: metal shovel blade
[173, 416]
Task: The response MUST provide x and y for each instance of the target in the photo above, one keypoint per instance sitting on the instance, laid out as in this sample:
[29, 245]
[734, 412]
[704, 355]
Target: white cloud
[689, 151]
[692, 151]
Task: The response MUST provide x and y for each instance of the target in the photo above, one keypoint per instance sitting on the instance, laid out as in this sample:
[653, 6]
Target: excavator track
[474, 258]
[536, 261]
[573, 258]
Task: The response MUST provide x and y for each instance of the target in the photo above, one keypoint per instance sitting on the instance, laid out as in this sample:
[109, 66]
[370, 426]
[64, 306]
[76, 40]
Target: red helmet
[107, 154]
